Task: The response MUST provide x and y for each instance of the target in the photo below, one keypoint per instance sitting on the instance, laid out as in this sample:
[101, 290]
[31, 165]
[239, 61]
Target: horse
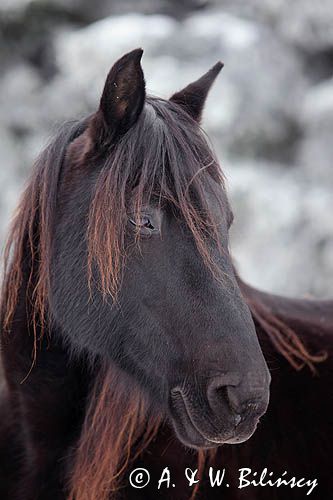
[123, 320]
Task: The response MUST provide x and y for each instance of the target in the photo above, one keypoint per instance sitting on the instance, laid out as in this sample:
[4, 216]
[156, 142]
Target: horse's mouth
[202, 436]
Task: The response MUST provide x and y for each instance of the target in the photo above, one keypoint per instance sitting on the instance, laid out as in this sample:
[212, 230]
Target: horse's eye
[142, 222]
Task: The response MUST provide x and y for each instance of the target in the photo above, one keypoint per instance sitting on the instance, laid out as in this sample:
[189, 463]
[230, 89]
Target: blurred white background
[269, 116]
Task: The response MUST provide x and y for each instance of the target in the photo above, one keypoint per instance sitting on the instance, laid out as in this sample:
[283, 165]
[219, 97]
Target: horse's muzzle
[223, 414]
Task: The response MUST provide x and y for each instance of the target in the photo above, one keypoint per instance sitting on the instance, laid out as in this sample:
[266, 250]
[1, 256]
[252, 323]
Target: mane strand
[118, 426]
[28, 249]
[283, 337]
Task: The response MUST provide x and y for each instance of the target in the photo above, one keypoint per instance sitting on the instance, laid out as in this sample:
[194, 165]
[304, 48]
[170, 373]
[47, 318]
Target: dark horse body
[125, 330]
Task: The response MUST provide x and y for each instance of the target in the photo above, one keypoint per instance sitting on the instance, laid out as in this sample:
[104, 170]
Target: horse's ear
[192, 98]
[123, 95]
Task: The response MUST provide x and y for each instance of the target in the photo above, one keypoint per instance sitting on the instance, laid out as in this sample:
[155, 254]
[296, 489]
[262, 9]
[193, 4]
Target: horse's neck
[45, 398]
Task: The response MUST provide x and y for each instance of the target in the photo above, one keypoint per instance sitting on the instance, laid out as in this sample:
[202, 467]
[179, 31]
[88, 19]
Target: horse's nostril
[218, 396]
[242, 402]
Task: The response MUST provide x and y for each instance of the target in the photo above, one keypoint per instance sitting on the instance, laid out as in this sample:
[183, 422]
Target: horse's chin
[191, 437]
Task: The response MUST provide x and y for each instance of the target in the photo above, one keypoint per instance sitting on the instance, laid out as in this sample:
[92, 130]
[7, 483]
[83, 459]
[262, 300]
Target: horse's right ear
[123, 96]
[192, 98]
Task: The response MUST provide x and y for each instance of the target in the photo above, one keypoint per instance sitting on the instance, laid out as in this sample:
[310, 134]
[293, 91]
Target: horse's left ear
[123, 95]
[192, 98]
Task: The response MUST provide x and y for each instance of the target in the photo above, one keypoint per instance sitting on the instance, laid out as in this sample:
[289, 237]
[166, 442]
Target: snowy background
[269, 116]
